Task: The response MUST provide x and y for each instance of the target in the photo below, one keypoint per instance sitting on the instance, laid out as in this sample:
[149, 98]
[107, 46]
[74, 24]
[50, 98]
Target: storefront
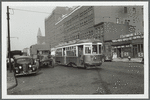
[128, 45]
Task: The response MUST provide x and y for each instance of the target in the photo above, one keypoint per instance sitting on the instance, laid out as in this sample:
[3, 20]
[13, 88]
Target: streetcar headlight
[30, 66]
[20, 67]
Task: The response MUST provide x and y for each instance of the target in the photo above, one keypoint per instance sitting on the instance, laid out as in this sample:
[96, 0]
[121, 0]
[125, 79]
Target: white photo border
[96, 3]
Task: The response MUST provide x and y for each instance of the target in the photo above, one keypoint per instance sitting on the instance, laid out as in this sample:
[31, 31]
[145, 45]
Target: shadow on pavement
[39, 73]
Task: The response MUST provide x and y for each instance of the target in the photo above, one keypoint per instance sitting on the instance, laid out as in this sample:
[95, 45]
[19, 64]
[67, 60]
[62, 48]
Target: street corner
[11, 80]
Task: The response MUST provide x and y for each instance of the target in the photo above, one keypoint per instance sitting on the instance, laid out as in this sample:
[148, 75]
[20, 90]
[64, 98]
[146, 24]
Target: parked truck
[44, 57]
[42, 54]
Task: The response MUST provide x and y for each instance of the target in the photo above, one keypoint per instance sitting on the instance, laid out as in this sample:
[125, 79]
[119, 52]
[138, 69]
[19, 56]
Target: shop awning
[121, 43]
[138, 41]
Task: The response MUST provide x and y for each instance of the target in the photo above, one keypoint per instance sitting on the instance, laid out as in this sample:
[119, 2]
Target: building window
[140, 47]
[125, 9]
[134, 10]
[142, 10]
[126, 22]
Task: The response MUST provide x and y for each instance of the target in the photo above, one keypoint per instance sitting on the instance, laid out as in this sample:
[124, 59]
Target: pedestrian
[129, 57]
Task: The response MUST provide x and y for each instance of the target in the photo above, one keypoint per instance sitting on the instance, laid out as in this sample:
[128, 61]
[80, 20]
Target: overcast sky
[25, 21]
[24, 25]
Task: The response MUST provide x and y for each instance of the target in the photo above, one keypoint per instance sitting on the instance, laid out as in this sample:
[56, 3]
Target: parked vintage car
[24, 65]
[13, 54]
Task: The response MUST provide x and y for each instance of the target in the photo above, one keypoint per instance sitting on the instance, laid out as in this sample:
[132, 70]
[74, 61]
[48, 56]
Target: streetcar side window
[94, 49]
[71, 51]
[87, 50]
[59, 52]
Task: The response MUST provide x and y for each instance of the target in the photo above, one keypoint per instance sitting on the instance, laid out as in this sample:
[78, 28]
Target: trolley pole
[10, 69]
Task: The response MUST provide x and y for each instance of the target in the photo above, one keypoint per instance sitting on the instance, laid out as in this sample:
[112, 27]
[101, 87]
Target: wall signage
[128, 37]
[123, 46]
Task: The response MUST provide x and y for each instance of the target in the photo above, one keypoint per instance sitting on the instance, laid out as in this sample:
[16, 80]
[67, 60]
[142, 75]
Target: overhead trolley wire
[30, 11]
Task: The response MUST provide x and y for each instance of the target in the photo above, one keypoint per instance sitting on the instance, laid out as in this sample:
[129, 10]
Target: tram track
[102, 86]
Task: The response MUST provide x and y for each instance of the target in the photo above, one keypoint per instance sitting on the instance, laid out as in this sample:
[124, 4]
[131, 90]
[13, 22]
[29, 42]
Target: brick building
[128, 45]
[84, 22]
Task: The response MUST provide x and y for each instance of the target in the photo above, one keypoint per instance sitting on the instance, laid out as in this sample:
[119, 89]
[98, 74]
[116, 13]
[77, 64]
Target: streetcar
[80, 53]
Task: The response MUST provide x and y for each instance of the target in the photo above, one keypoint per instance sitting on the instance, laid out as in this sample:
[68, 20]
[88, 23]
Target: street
[111, 78]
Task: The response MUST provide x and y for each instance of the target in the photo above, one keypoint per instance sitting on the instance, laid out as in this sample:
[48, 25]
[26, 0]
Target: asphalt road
[111, 78]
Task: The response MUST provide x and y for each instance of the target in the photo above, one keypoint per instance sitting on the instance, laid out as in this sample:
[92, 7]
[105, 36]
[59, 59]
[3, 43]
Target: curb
[128, 61]
[11, 82]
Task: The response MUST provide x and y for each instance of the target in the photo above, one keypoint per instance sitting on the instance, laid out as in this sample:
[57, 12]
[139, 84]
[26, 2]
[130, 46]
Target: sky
[25, 21]
[24, 25]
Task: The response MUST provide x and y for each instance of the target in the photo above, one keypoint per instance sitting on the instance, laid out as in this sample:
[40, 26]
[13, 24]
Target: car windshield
[24, 61]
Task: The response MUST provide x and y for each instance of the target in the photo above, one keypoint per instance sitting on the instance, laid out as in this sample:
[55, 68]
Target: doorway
[135, 53]
[118, 52]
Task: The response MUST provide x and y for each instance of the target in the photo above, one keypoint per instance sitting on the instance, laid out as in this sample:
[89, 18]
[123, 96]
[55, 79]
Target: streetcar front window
[94, 49]
[87, 50]
[100, 49]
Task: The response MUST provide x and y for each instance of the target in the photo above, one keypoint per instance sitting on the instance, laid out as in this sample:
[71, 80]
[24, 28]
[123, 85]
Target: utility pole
[10, 69]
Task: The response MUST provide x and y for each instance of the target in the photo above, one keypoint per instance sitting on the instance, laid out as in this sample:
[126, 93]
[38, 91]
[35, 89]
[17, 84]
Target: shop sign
[127, 45]
[134, 37]
[128, 37]
[123, 46]
[114, 40]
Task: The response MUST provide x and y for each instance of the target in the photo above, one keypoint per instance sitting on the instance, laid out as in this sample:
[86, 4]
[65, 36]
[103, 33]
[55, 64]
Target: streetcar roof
[79, 42]
[43, 49]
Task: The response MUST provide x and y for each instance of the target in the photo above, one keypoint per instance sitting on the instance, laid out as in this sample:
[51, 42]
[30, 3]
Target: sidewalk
[127, 60]
[11, 80]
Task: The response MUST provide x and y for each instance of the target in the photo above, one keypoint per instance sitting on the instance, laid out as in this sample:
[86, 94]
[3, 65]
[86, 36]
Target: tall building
[51, 32]
[101, 22]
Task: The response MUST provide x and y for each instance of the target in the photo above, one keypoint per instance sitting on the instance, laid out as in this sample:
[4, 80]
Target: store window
[141, 47]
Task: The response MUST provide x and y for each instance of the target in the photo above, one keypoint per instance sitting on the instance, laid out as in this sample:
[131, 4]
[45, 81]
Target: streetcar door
[80, 54]
[64, 55]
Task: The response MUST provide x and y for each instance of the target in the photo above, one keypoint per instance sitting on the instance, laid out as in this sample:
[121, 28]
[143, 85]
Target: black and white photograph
[79, 50]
